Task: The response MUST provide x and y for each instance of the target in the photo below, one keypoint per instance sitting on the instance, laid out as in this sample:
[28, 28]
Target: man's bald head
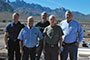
[44, 16]
[30, 21]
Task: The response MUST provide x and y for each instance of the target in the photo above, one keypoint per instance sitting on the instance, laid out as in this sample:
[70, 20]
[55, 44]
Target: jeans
[71, 50]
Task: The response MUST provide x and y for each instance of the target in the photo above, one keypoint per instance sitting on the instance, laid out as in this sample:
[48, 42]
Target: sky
[82, 6]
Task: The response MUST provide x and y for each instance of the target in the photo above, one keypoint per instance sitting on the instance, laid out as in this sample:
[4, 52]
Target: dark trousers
[71, 50]
[51, 53]
[29, 52]
[39, 52]
[13, 50]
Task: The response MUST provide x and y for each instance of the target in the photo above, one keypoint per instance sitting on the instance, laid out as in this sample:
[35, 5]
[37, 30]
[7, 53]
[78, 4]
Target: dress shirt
[72, 31]
[30, 36]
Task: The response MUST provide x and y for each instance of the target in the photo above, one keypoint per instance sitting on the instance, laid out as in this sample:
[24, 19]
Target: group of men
[29, 41]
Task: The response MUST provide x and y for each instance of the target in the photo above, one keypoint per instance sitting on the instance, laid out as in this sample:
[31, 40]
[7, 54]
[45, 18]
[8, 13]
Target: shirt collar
[42, 21]
[70, 21]
[17, 23]
[29, 27]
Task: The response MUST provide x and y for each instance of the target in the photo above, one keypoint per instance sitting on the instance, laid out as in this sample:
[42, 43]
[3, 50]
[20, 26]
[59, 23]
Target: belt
[51, 45]
[69, 43]
[28, 47]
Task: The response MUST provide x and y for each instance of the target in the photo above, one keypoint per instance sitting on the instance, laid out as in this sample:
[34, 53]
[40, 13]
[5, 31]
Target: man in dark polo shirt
[11, 33]
[41, 25]
[53, 36]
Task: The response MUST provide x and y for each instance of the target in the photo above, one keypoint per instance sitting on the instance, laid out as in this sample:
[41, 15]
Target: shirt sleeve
[7, 28]
[20, 36]
[61, 32]
[40, 35]
[44, 32]
[60, 24]
[80, 34]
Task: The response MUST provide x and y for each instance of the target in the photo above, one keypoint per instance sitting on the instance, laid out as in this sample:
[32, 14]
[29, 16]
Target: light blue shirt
[30, 36]
[72, 31]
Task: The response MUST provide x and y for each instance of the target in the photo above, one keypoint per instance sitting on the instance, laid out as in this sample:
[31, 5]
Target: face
[52, 20]
[30, 22]
[68, 15]
[15, 17]
[44, 16]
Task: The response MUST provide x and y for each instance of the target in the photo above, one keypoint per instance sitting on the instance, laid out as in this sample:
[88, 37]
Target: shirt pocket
[73, 29]
[35, 34]
[26, 35]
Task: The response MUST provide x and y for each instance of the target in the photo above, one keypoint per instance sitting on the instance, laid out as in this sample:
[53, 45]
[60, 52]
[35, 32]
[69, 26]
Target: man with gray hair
[53, 35]
[28, 39]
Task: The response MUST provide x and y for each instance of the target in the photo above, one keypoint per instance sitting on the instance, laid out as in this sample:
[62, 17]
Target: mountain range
[5, 7]
[36, 9]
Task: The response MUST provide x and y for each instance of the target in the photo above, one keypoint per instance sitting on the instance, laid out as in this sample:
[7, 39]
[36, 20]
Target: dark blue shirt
[13, 30]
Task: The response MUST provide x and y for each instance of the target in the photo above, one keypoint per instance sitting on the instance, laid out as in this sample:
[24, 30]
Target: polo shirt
[42, 25]
[52, 34]
[13, 29]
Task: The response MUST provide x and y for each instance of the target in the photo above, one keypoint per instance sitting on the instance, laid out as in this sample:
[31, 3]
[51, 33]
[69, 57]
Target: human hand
[37, 48]
[21, 51]
[59, 51]
[6, 47]
[77, 44]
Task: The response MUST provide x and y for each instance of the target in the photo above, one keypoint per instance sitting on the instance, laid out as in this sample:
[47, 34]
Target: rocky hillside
[5, 7]
[27, 9]
[36, 9]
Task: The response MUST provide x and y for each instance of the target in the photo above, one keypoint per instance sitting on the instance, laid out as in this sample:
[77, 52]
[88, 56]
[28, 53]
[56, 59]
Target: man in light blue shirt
[28, 38]
[73, 35]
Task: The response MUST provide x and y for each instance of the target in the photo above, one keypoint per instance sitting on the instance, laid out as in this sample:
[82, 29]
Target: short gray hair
[51, 16]
[43, 13]
[30, 17]
[16, 13]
